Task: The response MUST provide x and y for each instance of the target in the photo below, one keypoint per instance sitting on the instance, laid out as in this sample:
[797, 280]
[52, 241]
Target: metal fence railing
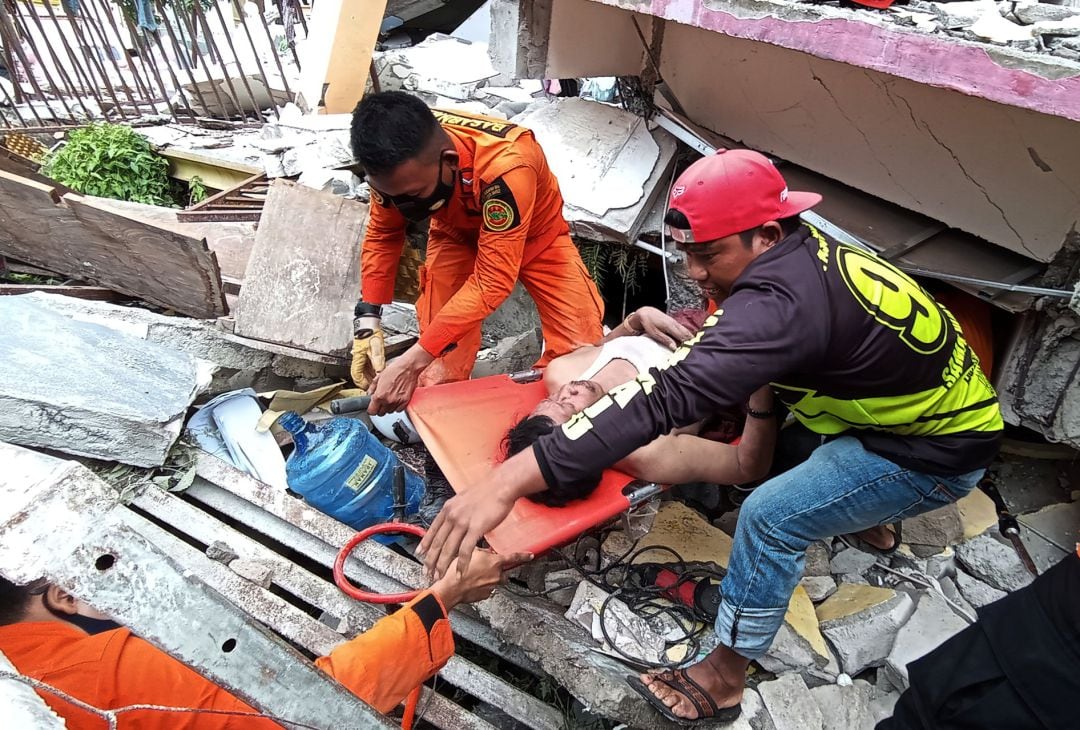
[71, 61]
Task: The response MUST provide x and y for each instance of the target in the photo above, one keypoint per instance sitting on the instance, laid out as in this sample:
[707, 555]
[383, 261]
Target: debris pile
[1027, 26]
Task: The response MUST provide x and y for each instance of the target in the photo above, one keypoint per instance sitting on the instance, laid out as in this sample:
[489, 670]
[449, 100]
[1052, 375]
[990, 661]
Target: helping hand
[393, 387]
[660, 327]
[464, 519]
[478, 581]
[368, 358]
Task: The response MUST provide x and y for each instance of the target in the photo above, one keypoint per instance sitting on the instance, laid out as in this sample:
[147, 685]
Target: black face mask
[89, 625]
[416, 209]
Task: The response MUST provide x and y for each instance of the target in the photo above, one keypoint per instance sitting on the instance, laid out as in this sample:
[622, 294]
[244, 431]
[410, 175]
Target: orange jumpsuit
[115, 668]
[504, 223]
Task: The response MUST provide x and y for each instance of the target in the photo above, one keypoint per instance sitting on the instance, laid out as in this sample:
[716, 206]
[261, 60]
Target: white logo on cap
[783, 195]
[678, 190]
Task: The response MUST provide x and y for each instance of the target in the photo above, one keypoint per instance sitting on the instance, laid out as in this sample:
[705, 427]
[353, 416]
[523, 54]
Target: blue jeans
[841, 488]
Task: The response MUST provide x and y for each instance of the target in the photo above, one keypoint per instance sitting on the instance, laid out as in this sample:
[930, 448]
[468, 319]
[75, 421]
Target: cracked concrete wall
[1006, 174]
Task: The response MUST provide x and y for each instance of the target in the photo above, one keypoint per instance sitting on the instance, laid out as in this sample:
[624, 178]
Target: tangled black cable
[622, 578]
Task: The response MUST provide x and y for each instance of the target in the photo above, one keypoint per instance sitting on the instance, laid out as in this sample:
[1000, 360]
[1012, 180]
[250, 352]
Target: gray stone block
[562, 585]
[790, 704]
[843, 708]
[993, 562]
[89, 390]
[861, 623]
[851, 560]
[880, 708]
[256, 571]
[818, 587]
[975, 592]
[939, 528]
[933, 623]
[221, 552]
[789, 652]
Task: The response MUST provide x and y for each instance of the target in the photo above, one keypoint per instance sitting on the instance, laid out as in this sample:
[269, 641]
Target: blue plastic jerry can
[342, 469]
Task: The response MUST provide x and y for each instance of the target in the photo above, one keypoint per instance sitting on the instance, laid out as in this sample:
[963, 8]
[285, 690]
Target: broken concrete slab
[630, 633]
[881, 707]
[1047, 532]
[851, 561]
[89, 390]
[754, 715]
[611, 168]
[818, 587]
[938, 528]
[861, 623]
[438, 65]
[948, 587]
[241, 362]
[790, 704]
[843, 707]
[511, 355]
[975, 592]
[221, 552]
[932, 623]
[1036, 12]
[993, 562]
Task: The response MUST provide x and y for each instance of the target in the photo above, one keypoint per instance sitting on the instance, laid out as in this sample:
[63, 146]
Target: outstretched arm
[682, 458]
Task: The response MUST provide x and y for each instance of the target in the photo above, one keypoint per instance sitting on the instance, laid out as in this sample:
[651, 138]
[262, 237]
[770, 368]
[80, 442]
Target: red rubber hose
[347, 586]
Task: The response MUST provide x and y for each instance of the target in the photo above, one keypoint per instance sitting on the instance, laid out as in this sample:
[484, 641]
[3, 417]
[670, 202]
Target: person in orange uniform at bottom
[496, 218]
[42, 634]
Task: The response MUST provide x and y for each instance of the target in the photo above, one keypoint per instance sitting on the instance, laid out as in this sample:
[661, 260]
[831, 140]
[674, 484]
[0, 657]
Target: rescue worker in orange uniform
[43, 632]
[496, 218]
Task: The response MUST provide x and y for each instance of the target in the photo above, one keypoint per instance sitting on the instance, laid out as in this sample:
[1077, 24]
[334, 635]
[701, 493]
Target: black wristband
[363, 309]
[771, 413]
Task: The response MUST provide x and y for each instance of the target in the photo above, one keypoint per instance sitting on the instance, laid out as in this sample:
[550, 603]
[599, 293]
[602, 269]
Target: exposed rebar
[239, 66]
[195, 54]
[84, 76]
[44, 66]
[70, 86]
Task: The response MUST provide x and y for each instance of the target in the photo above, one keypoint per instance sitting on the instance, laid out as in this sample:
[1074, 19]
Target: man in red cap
[856, 351]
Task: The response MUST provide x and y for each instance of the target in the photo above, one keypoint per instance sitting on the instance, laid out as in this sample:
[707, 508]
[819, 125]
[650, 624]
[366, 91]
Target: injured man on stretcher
[696, 453]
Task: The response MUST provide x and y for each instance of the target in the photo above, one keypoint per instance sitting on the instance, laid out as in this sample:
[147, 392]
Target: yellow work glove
[368, 357]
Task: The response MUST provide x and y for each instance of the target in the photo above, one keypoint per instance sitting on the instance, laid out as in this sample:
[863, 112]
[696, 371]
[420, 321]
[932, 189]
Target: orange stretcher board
[463, 425]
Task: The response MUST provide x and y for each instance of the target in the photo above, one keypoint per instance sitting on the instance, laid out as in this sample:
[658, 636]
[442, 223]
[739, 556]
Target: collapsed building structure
[948, 154]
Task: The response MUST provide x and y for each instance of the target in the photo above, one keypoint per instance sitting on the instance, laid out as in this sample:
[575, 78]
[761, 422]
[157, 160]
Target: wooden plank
[180, 272]
[79, 242]
[303, 277]
[329, 79]
[97, 293]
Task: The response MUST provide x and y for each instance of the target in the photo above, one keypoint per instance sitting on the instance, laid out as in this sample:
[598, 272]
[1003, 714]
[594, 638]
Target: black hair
[390, 128]
[788, 225]
[523, 435]
[676, 219]
[13, 602]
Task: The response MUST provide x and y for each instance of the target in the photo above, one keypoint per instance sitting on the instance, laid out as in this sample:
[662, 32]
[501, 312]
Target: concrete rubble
[933, 622]
[234, 362]
[993, 561]
[89, 390]
[611, 167]
[861, 622]
[790, 704]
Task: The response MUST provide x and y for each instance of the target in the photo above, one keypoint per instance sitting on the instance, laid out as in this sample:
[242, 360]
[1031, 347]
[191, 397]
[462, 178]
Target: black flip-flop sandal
[852, 540]
[678, 680]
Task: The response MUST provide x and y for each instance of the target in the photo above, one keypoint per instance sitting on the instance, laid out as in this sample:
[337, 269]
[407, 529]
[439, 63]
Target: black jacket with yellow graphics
[849, 343]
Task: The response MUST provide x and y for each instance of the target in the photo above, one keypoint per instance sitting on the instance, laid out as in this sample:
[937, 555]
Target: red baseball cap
[730, 192]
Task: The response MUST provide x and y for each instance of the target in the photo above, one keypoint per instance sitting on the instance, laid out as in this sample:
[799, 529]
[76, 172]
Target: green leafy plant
[111, 161]
[196, 190]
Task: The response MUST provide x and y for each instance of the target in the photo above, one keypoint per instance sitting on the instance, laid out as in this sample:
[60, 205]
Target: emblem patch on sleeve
[499, 208]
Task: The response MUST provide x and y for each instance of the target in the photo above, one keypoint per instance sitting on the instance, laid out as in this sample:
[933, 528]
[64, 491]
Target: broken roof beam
[59, 521]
